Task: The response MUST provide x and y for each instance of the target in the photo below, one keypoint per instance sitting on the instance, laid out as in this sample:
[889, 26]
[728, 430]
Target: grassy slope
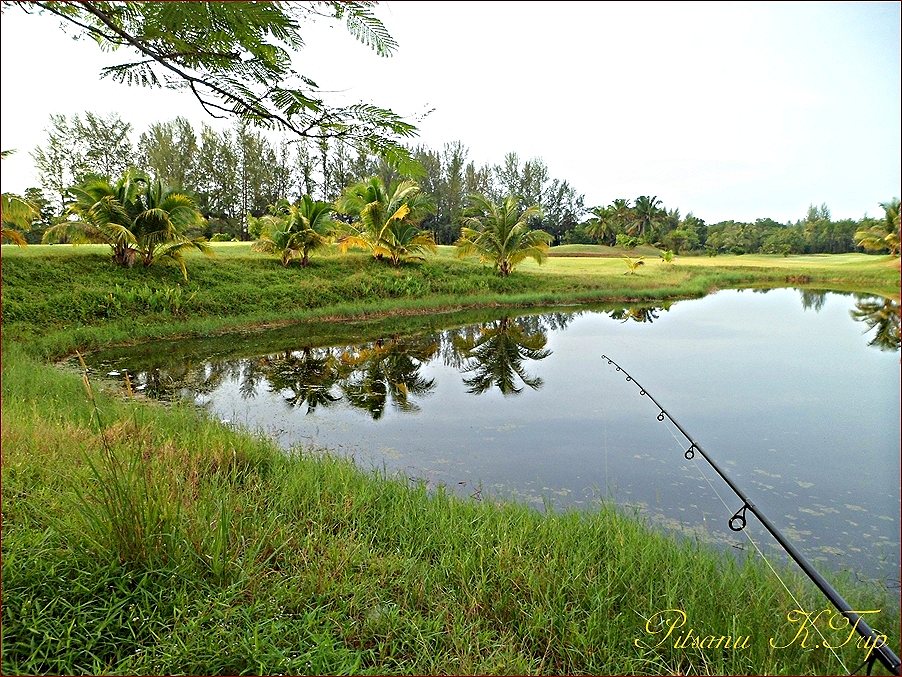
[58, 298]
[235, 558]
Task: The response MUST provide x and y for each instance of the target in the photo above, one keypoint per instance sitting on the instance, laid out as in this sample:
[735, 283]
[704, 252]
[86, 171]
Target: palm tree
[99, 214]
[140, 219]
[632, 265]
[601, 226]
[884, 235]
[304, 229]
[621, 211]
[385, 220]
[403, 240]
[16, 213]
[500, 234]
[159, 219]
[647, 214]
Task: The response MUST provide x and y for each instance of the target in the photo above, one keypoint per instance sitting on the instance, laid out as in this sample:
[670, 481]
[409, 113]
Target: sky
[726, 110]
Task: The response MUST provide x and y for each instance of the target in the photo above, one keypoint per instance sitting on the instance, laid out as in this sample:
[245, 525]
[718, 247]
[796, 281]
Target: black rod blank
[737, 522]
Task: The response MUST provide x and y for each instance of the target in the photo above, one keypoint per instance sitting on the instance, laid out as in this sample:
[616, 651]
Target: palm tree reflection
[813, 299]
[637, 313]
[386, 372]
[197, 378]
[881, 314]
[371, 376]
[307, 375]
[495, 354]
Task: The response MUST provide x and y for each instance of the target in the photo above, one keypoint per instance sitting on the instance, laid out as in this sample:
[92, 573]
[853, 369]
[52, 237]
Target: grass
[59, 298]
[164, 542]
[600, 250]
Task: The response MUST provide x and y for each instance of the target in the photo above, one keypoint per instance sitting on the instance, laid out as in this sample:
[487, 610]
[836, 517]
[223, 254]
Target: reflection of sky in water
[791, 402]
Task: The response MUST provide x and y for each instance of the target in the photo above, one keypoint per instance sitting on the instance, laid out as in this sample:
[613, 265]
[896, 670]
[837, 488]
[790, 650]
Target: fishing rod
[737, 522]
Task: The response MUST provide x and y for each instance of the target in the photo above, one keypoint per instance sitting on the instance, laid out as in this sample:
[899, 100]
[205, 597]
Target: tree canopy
[235, 59]
[500, 233]
[141, 220]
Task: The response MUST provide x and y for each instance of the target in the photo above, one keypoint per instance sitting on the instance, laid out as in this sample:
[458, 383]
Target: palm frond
[13, 236]
[17, 212]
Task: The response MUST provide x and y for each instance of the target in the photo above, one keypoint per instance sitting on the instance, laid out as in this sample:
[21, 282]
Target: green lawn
[164, 542]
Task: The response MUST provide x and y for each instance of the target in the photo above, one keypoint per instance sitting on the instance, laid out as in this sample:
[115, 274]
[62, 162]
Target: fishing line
[799, 606]
[604, 433]
[880, 650]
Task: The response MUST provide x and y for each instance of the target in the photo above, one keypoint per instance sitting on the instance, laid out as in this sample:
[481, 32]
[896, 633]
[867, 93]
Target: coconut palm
[140, 219]
[601, 226]
[385, 219]
[500, 234]
[304, 229]
[160, 218]
[403, 240]
[99, 214]
[621, 211]
[632, 265]
[647, 213]
[16, 213]
[886, 234]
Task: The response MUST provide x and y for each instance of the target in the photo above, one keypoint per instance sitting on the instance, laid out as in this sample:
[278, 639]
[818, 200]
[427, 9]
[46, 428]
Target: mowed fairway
[598, 260]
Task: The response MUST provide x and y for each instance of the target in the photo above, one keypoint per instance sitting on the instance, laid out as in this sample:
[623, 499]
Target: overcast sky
[727, 110]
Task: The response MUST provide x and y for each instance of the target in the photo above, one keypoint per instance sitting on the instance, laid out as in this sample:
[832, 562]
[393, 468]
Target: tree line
[237, 175]
[240, 172]
[627, 223]
[143, 221]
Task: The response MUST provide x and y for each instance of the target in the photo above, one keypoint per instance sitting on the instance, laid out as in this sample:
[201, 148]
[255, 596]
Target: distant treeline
[240, 172]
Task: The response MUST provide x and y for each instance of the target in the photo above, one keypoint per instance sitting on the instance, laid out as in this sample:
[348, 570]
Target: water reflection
[883, 315]
[813, 299]
[496, 353]
[876, 312]
[375, 375]
[387, 372]
[304, 377]
[195, 377]
[400, 393]
[636, 314]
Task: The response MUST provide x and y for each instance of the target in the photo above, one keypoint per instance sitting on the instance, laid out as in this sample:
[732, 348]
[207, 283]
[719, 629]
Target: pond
[794, 393]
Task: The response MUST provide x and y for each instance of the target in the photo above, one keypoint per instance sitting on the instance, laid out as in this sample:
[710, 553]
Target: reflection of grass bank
[238, 559]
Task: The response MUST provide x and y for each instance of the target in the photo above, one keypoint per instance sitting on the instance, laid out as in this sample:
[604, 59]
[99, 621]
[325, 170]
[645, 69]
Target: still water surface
[789, 391]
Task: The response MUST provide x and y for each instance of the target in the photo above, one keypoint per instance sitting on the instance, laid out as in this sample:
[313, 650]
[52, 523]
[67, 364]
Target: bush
[627, 241]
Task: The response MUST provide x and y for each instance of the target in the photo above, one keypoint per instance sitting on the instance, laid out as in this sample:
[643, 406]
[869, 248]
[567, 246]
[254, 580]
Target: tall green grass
[139, 538]
[302, 563]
